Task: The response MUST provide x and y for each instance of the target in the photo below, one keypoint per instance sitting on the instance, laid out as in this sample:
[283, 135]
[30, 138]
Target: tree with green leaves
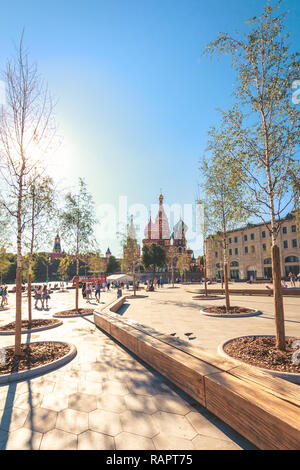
[4, 263]
[263, 127]
[223, 194]
[26, 134]
[172, 257]
[113, 266]
[77, 226]
[131, 253]
[40, 208]
[153, 256]
[183, 264]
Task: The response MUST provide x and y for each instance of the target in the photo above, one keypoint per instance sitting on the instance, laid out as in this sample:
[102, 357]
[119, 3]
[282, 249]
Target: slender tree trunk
[29, 296]
[77, 286]
[133, 280]
[18, 331]
[227, 299]
[278, 299]
[172, 276]
[205, 277]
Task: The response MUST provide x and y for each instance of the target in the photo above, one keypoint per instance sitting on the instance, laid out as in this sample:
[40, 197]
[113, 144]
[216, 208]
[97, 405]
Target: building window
[230, 241]
[246, 250]
[236, 251]
[230, 252]
[216, 253]
[234, 263]
[245, 238]
[294, 243]
[294, 228]
[252, 236]
[292, 259]
[264, 247]
[284, 229]
[252, 249]
[263, 234]
[268, 261]
[235, 239]
[285, 244]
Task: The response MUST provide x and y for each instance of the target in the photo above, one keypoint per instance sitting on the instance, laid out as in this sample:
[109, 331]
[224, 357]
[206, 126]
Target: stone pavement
[105, 398]
[175, 311]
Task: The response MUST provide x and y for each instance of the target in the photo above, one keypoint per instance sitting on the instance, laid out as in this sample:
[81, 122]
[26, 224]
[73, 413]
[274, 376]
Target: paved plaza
[173, 310]
[106, 398]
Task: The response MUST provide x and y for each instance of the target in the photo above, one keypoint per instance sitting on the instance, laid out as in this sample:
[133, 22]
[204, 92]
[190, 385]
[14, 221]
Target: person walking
[45, 296]
[38, 295]
[88, 293]
[97, 292]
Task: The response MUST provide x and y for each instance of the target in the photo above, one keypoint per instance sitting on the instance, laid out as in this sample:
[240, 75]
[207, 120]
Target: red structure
[57, 251]
[158, 232]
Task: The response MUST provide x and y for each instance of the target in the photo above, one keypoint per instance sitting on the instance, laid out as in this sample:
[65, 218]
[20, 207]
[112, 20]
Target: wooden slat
[278, 387]
[267, 421]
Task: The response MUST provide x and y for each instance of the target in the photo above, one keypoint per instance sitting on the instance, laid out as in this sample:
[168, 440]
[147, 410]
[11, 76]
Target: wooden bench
[262, 408]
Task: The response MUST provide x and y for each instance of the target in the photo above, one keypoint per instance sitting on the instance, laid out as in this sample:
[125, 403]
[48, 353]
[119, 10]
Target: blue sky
[134, 101]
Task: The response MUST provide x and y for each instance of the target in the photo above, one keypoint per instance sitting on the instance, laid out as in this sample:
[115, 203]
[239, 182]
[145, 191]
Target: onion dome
[180, 230]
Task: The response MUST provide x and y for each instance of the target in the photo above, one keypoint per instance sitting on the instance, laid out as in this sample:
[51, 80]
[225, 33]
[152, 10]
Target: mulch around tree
[35, 355]
[261, 351]
[232, 310]
[37, 323]
[80, 311]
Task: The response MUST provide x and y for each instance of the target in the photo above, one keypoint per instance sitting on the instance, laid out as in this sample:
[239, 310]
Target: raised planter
[33, 330]
[62, 315]
[25, 374]
[291, 377]
[230, 315]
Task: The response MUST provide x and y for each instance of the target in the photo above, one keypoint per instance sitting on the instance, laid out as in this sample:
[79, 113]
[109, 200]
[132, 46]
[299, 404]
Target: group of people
[293, 278]
[3, 295]
[42, 295]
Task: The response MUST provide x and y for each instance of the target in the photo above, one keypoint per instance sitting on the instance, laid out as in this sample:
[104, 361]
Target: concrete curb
[26, 374]
[34, 330]
[294, 378]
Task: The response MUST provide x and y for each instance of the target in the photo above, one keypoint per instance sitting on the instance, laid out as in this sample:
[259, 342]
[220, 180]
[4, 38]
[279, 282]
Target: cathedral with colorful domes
[159, 233]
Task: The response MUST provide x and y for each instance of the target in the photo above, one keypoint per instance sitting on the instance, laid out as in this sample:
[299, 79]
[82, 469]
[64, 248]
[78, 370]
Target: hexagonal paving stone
[28, 400]
[115, 388]
[142, 403]
[207, 427]
[105, 422]
[58, 440]
[91, 440]
[55, 401]
[91, 388]
[171, 404]
[209, 443]
[128, 441]
[114, 403]
[23, 439]
[83, 402]
[174, 425]
[139, 423]
[12, 419]
[41, 420]
[72, 421]
[65, 387]
[166, 442]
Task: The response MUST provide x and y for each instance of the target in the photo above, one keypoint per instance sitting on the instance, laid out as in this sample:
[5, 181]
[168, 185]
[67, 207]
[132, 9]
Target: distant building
[158, 232]
[57, 251]
[249, 252]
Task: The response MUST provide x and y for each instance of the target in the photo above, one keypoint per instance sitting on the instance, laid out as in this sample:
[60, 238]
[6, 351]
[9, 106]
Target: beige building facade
[249, 251]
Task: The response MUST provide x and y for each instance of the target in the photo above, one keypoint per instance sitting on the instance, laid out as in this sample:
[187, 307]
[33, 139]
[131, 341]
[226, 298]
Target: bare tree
[26, 132]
